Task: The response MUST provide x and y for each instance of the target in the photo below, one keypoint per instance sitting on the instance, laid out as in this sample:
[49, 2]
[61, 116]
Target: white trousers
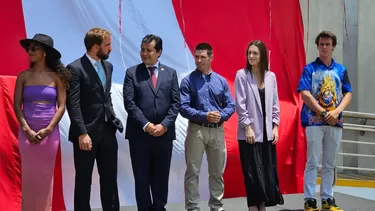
[325, 140]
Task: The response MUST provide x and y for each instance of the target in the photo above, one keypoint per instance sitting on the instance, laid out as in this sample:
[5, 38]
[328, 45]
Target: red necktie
[153, 76]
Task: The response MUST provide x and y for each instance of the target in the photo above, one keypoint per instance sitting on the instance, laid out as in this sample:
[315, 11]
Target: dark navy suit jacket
[144, 103]
[87, 102]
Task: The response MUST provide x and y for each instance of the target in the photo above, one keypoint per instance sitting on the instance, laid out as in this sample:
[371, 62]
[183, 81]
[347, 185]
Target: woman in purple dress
[39, 104]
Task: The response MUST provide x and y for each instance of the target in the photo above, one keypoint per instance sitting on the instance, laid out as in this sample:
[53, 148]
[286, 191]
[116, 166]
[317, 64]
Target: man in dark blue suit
[152, 100]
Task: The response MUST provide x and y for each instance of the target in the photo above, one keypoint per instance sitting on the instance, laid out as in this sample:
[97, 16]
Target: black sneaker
[310, 205]
[330, 205]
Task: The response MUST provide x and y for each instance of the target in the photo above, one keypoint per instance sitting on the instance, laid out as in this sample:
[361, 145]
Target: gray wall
[355, 49]
[366, 73]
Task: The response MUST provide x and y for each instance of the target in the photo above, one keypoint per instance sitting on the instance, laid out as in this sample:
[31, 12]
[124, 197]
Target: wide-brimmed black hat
[45, 41]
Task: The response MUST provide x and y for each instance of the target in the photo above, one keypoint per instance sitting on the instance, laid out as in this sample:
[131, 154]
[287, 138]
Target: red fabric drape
[287, 60]
[10, 161]
[12, 60]
[229, 26]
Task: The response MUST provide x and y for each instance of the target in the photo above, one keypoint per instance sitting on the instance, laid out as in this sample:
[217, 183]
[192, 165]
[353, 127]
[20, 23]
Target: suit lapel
[254, 89]
[91, 70]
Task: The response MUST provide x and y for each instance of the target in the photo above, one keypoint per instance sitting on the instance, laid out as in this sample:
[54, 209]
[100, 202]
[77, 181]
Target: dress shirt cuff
[202, 116]
[223, 117]
[144, 127]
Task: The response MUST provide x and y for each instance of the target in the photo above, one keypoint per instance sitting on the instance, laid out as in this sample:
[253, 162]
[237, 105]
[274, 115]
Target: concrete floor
[293, 202]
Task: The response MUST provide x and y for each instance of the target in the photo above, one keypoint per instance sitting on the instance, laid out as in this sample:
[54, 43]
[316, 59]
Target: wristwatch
[324, 113]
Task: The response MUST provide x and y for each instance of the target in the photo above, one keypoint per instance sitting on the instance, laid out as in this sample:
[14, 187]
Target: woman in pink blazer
[257, 106]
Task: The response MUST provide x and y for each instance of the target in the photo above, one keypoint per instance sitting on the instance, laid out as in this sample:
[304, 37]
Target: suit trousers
[202, 139]
[151, 162]
[323, 140]
[104, 152]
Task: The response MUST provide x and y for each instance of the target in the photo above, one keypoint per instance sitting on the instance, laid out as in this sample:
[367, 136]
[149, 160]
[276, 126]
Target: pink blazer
[249, 107]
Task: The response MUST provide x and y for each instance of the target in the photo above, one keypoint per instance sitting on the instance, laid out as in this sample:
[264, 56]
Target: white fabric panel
[67, 22]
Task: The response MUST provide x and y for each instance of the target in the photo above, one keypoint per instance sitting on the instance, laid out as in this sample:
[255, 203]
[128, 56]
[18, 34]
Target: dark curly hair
[56, 65]
[326, 34]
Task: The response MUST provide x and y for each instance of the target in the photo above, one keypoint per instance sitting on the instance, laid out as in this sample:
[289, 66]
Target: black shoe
[310, 205]
[330, 204]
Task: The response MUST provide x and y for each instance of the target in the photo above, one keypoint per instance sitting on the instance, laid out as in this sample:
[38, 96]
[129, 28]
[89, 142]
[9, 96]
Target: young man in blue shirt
[326, 92]
[206, 102]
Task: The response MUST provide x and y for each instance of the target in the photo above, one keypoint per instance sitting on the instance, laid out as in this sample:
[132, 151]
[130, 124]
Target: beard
[103, 56]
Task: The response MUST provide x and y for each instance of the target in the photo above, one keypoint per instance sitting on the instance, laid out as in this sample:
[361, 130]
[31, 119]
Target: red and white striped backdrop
[228, 25]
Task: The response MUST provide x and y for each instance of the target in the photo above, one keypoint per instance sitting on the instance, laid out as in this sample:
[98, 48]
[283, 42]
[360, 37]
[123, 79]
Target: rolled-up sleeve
[240, 93]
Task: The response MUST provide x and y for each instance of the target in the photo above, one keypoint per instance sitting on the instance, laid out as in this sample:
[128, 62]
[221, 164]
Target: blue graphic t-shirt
[328, 86]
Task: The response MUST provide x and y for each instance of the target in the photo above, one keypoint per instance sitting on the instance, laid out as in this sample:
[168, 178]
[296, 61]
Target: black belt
[209, 125]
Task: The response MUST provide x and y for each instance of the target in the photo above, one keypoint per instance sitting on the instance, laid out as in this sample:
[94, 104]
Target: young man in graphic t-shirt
[326, 92]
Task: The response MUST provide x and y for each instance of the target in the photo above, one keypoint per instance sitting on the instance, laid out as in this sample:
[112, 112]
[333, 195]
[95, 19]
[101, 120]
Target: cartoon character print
[326, 89]
[327, 96]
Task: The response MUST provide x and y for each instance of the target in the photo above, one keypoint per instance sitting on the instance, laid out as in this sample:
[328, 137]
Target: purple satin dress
[38, 160]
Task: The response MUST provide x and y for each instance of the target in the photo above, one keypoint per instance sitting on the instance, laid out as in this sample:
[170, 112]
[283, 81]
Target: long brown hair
[263, 60]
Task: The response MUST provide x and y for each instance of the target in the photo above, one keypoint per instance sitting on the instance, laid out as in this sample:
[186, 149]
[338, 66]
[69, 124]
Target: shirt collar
[93, 61]
[319, 62]
[203, 75]
[206, 77]
[156, 65]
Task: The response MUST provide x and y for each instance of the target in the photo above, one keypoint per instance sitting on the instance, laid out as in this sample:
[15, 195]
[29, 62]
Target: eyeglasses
[32, 48]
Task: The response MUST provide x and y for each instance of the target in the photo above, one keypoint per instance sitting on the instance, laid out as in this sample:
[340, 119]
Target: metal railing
[362, 128]
[359, 127]
[360, 115]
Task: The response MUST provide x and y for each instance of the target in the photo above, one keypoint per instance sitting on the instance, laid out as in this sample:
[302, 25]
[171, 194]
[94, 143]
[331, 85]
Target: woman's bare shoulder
[24, 74]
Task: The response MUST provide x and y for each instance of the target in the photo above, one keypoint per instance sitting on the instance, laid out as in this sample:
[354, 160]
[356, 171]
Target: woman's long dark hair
[56, 65]
[263, 60]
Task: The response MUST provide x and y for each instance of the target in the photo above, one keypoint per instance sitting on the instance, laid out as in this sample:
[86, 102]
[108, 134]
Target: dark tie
[153, 76]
